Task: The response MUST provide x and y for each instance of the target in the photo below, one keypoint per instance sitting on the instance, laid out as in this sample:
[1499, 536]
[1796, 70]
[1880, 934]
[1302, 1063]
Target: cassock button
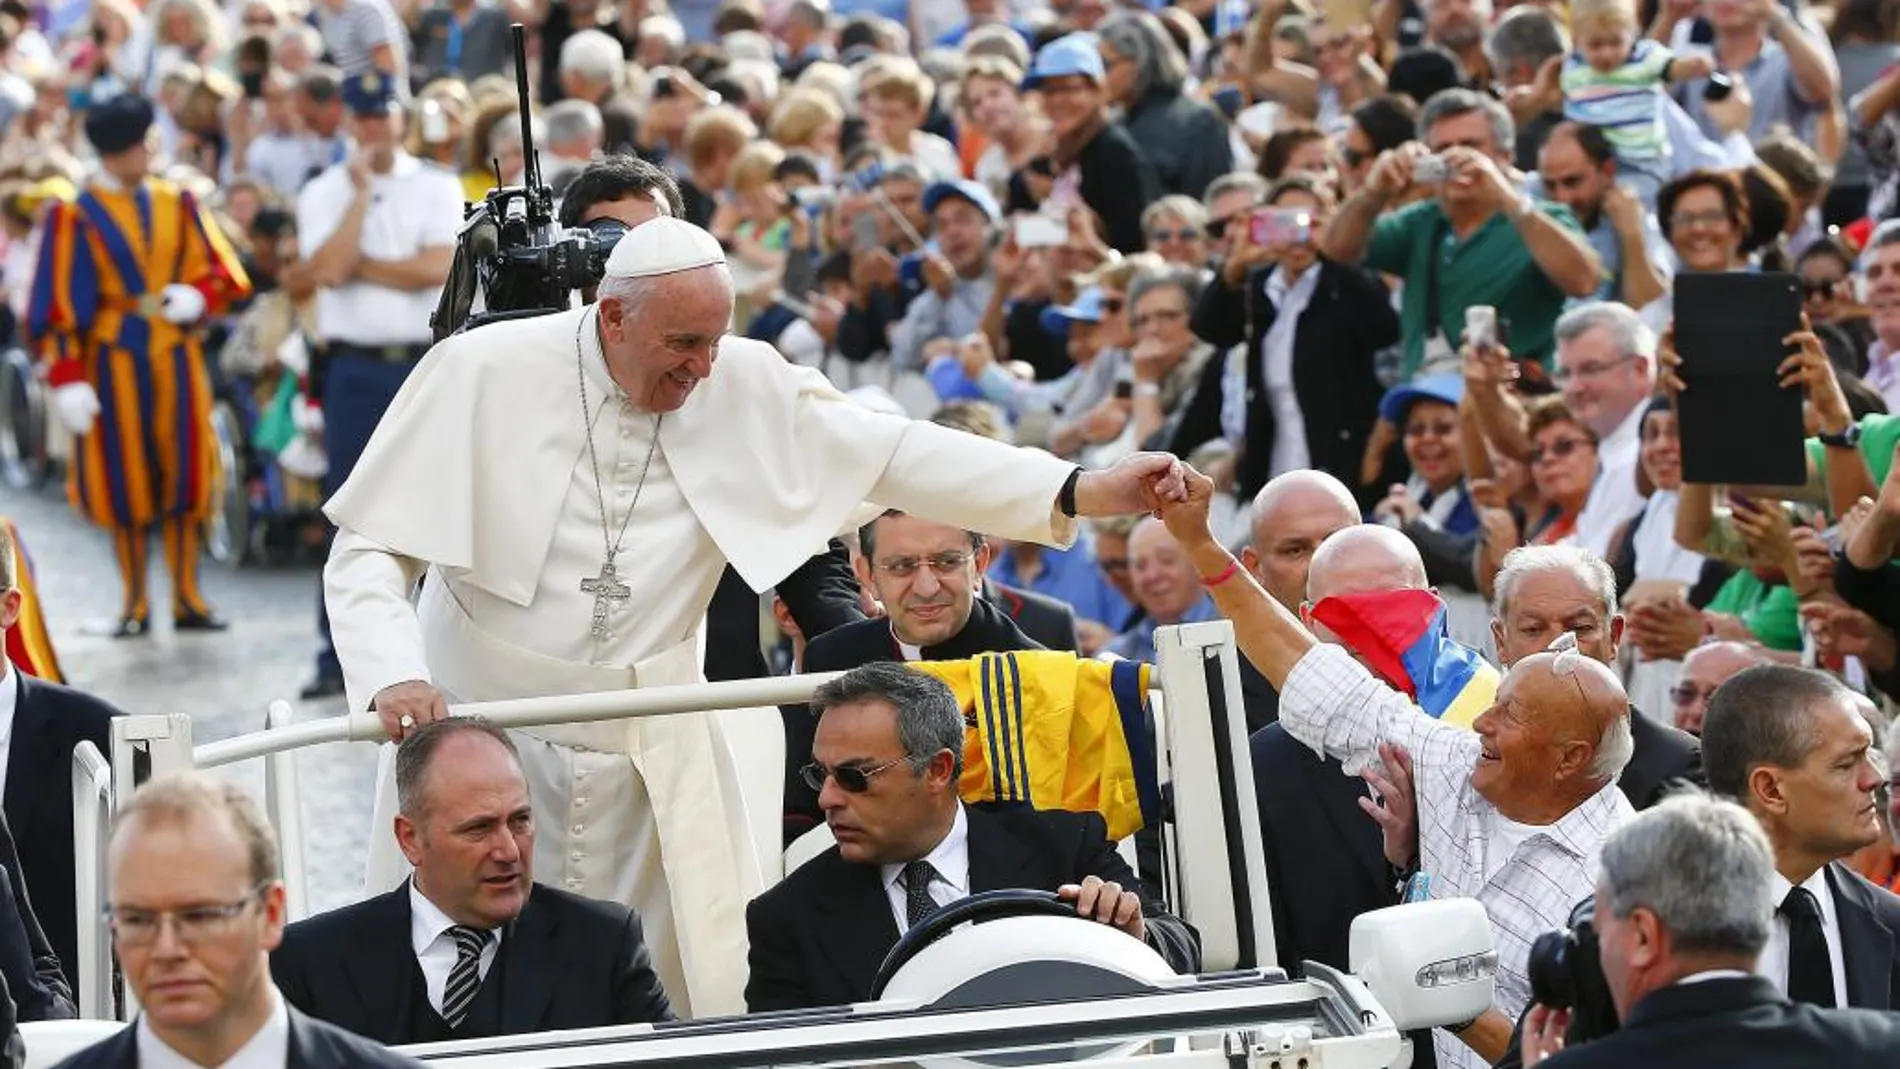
[582, 800]
[578, 856]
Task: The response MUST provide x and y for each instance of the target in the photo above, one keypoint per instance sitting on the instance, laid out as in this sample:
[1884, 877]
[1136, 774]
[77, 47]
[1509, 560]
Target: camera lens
[1552, 984]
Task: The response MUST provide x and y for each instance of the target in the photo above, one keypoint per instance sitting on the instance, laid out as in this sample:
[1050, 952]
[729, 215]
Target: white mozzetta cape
[469, 467]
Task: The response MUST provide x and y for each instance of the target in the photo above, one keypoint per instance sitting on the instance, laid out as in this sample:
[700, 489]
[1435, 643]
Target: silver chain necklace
[606, 587]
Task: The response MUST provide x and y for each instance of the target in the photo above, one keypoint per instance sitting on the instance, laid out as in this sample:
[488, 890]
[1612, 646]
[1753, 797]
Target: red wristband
[1227, 573]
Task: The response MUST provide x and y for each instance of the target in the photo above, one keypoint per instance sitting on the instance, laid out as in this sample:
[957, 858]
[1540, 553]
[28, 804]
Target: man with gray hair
[593, 68]
[1606, 367]
[1545, 591]
[1521, 42]
[886, 762]
[1880, 264]
[1481, 241]
[1791, 745]
[571, 138]
[1683, 908]
[1511, 812]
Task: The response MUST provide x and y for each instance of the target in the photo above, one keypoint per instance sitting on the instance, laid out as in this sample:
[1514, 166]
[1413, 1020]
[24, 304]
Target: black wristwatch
[1847, 439]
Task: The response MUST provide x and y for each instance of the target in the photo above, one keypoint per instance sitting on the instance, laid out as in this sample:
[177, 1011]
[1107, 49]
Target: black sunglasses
[855, 779]
[1821, 287]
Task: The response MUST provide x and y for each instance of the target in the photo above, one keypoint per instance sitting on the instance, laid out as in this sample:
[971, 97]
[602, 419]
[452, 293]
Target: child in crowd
[1614, 79]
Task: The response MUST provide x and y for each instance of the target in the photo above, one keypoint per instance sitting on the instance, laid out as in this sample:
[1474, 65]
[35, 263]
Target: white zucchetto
[663, 246]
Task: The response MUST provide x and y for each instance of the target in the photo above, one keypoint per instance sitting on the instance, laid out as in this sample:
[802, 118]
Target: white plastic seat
[50, 1042]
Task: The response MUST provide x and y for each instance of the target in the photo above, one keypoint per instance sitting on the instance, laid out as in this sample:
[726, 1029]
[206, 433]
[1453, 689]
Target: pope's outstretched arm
[369, 586]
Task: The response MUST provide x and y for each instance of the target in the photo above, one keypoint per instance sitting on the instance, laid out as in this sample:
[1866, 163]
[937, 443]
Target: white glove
[307, 418]
[293, 355]
[303, 457]
[182, 304]
[78, 406]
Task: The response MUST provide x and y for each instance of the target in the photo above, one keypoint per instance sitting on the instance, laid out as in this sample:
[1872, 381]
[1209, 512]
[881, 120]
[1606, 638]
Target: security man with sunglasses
[885, 762]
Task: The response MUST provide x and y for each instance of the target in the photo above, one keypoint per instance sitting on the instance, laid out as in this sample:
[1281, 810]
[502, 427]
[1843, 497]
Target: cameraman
[1684, 907]
[619, 188]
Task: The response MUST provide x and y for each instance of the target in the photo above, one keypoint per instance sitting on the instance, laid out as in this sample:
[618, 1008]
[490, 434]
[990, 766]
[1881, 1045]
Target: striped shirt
[357, 29]
[1627, 103]
[1334, 705]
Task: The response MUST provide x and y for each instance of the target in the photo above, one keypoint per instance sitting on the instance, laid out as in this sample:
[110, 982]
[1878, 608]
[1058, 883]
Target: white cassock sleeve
[957, 478]
[367, 588]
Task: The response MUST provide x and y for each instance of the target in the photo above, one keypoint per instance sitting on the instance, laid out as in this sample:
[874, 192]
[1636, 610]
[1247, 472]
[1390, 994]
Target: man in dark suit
[1684, 907]
[47, 722]
[1791, 745]
[196, 909]
[38, 989]
[1049, 622]
[927, 576]
[820, 595]
[470, 946]
[1544, 591]
[887, 756]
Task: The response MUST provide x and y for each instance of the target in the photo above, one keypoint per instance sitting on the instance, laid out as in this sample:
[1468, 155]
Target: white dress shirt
[435, 947]
[1289, 301]
[951, 859]
[1614, 496]
[268, 1048]
[1773, 962]
[1339, 709]
[9, 699]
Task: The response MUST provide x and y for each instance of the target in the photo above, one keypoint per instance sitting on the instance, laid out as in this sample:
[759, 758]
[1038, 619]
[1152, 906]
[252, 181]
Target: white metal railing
[92, 822]
[1218, 875]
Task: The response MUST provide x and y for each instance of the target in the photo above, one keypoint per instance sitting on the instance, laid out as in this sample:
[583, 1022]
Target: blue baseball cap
[967, 189]
[369, 93]
[1448, 387]
[1076, 53]
[1087, 309]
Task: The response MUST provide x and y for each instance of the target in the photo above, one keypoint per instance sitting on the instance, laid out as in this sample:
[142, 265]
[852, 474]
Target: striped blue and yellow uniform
[28, 645]
[150, 458]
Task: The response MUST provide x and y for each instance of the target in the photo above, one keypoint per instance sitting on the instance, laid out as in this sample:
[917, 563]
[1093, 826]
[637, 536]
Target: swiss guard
[127, 273]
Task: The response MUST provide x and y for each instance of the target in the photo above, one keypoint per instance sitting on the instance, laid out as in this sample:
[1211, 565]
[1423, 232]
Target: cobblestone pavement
[224, 681]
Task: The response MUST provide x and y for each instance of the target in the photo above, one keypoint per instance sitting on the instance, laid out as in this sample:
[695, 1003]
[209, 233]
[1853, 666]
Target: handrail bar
[92, 822]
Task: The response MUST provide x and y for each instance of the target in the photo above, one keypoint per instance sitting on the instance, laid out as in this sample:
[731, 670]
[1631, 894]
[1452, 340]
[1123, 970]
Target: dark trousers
[357, 390]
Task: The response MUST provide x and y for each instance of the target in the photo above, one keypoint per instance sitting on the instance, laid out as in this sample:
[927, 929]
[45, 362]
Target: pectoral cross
[606, 588]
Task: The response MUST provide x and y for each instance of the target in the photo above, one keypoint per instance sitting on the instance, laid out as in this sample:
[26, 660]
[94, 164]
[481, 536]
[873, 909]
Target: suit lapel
[998, 860]
[29, 722]
[531, 966]
[383, 961]
[865, 931]
[1866, 943]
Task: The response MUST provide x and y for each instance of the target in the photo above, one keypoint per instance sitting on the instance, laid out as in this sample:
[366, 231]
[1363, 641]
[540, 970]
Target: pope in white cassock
[572, 485]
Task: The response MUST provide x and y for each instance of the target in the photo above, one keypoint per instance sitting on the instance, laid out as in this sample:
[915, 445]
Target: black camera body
[1566, 974]
[511, 250]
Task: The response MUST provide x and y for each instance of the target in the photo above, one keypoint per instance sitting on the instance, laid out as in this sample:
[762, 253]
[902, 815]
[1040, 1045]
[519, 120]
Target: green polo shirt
[1878, 433]
[1491, 266]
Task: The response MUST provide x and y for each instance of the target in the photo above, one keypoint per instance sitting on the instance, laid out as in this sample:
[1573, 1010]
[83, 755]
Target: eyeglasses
[193, 924]
[1352, 157]
[1820, 287]
[1684, 694]
[1566, 661]
[1113, 305]
[1186, 233]
[855, 779]
[942, 563]
[1112, 565]
[1684, 220]
[1591, 370]
[1558, 449]
[1159, 316]
[1442, 428]
[1217, 228]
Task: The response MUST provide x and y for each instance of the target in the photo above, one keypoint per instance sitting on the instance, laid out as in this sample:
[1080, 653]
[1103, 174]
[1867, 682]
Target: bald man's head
[1558, 732]
[1292, 515]
[1703, 670]
[1166, 585]
[1362, 558]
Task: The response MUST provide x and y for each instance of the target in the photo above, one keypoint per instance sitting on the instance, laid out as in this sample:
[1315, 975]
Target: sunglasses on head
[855, 779]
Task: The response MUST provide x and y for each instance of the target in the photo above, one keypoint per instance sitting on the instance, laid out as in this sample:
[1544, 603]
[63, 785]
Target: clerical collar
[908, 651]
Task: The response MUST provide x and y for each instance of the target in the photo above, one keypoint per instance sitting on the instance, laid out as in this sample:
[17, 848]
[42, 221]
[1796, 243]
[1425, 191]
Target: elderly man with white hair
[572, 138]
[593, 68]
[573, 485]
[1512, 812]
[1606, 366]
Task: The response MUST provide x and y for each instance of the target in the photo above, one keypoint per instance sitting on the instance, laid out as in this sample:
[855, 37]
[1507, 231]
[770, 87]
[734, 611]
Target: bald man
[1512, 813]
[1166, 589]
[1292, 515]
[1325, 861]
[1703, 670]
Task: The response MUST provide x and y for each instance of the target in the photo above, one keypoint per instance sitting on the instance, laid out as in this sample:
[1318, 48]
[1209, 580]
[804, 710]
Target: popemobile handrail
[92, 822]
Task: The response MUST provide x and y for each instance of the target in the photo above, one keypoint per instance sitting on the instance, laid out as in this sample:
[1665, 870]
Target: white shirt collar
[1713, 974]
[268, 1047]
[9, 699]
[427, 922]
[1628, 435]
[950, 857]
[1816, 885]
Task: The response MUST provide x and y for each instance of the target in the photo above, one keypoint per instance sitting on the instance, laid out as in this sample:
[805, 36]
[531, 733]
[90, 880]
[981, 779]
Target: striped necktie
[466, 977]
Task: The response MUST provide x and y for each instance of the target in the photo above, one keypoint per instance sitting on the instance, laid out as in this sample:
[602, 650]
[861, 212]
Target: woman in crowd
[1183, 136]
[1866, 37]
[809, 121]
[991, 100]
[1349, 74]
[1563, 465]
[1094, 159]
[1704, 217]
[1433, 506]
[1167, 357]
[1176, 227]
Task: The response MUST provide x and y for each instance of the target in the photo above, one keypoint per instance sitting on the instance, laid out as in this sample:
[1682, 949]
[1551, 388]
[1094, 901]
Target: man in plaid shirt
[1512, 813]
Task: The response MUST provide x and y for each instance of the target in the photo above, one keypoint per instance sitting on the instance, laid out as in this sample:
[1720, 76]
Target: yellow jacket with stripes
[1057, 732]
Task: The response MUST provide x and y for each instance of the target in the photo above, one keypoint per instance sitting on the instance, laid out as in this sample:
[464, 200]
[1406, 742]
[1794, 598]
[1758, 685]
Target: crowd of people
[1370, 302]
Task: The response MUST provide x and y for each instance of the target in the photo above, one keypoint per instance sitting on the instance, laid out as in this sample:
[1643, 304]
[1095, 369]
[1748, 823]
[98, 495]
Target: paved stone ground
[224, 681]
